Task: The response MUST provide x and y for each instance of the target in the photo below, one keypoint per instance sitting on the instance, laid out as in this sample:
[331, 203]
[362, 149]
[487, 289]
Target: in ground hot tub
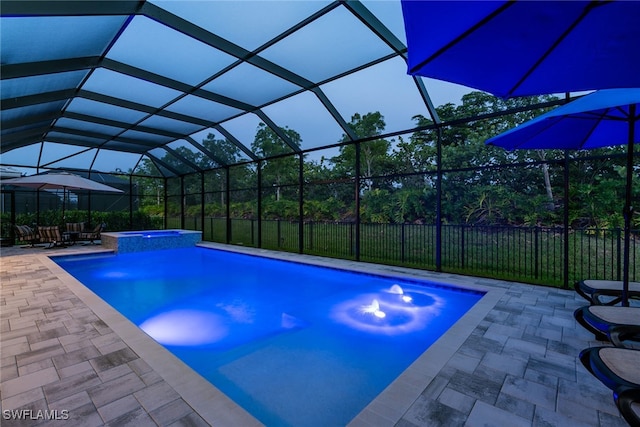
[150, 240]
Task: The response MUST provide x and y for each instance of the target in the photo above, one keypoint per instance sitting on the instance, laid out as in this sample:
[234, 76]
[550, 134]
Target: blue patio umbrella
[603, 118]
[518, 48]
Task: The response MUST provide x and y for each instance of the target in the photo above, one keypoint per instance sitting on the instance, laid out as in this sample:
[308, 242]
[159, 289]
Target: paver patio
[63, 349]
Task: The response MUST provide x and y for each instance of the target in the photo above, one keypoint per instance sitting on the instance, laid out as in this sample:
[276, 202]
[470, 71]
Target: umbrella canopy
[62, 180]
[604, 118]
[518, 48]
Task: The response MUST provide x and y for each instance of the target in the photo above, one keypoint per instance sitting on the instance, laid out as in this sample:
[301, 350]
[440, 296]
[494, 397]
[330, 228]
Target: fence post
[310, 235]
[536, 250]
[278, 227]
[618, 254]
[462, 245]
[351, 238]
[402, 244]
[252, 233]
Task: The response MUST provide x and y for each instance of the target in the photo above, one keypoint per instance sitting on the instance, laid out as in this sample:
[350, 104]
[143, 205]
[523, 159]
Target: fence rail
[525, 254]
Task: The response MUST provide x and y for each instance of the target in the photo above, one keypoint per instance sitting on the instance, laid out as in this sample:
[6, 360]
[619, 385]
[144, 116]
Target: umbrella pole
[628, 209]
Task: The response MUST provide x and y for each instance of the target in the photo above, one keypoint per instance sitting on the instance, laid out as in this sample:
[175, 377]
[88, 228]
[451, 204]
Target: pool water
[154, 233]
[294, 344]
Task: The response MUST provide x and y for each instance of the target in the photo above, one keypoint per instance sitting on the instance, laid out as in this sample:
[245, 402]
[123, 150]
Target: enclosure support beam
[357, 197]
[131, 227]
[183, 201]
[227, 193]
[166, 203]
[202, 200]
[259, 173]
[301, 205]
[439, 201]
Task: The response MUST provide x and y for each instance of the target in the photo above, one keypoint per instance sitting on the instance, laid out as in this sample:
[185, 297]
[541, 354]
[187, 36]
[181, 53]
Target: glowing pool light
[397, 289]
[385, 313]
[374, 308]
[185, 327]
[115, 274]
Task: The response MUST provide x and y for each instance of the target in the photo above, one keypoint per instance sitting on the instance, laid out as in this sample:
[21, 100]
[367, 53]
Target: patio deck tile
[520, 407]
[485, 415]
[536, 393]
[456, 400]
[434, 413]
[115, 409]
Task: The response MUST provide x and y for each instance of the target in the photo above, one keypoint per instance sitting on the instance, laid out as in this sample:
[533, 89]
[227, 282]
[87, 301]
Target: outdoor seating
[628, 403]
[51, 235]
[93, 235]
[24, 233]
[619, 335]
[74, 230]
[594, 290]
[602, 320]
[618, 369]
[75, 227]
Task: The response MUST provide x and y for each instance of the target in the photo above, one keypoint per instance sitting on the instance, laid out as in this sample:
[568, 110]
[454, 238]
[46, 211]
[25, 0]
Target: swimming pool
[293, 344]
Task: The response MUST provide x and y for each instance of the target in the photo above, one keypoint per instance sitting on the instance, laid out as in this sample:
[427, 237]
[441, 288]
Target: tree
[224, 153]
[374, 154]
[151, 186]
[276, 171]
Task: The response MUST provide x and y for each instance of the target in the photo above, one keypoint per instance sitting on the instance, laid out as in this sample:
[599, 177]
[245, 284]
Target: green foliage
[152, 210]
[280, 209]
[374, 154]
[330, 209]
[375, 207]
[414, 205]
[277, 171]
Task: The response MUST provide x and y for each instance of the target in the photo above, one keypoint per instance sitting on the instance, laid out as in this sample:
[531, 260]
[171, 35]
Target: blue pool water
[295, 345]
[153, 233]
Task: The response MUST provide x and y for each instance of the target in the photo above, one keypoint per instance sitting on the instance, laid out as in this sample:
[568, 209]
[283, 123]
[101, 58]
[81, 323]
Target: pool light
[374, 308]
[396, 289]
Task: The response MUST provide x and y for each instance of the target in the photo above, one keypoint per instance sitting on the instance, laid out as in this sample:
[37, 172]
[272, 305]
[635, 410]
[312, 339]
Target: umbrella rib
[584, 13]
[590, 115]
[462, 36]
[593, 128]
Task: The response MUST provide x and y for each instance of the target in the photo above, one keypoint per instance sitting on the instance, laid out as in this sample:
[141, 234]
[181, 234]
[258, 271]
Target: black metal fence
[525, 254]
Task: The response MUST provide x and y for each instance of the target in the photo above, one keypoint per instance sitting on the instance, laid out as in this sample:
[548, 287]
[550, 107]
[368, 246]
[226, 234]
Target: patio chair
[51, 234]
[618, 369]
[93, 235]
[24, 233]
[628, 403]
[74, 230]
[593, 290]
[603, 321]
